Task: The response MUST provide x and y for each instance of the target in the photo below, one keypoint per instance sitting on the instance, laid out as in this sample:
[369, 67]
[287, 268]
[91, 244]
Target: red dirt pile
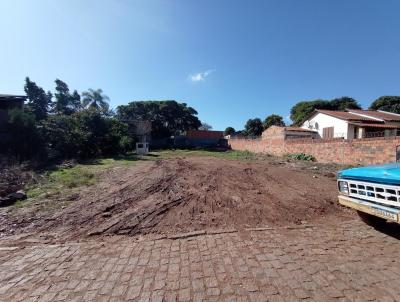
[196, 193]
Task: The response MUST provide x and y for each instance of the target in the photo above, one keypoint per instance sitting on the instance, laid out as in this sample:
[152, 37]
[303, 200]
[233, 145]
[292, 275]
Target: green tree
[95, 99]
[253, 127]
[76, 103]
[387, 103]
[205, 126]
[92, 124]
[229, 131]
[65, 103]
[344, 103]
[273, 120]
[38, 100]
[117, 139]
[25, 139]
[302, 110]
[102, 135]
[167, 117]
[85, 134]
[63, 136]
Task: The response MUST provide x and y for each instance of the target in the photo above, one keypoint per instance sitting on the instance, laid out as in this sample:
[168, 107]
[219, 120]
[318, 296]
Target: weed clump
[301, 156]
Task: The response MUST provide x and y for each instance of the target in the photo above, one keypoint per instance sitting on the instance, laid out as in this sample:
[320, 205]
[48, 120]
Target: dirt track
[192, 193]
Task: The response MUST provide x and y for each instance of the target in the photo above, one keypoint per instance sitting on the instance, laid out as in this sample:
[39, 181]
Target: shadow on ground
[391, 229]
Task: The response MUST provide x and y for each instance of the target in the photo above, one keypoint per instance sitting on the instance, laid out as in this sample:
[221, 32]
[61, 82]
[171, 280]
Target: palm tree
[95, 99]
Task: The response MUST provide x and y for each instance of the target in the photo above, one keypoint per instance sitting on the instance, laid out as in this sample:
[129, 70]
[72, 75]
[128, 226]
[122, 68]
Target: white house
[352, 124]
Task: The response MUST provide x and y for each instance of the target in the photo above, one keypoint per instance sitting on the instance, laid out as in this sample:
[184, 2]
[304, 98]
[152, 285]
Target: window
[316, 126]
[327, 132]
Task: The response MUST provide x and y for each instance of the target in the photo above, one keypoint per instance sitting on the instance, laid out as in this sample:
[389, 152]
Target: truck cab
[373, 191]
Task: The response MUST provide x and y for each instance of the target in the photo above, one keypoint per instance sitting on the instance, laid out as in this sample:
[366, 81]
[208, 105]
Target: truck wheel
[371, 220]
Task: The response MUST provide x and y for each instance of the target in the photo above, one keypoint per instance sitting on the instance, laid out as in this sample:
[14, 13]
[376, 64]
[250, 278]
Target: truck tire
[371, 220]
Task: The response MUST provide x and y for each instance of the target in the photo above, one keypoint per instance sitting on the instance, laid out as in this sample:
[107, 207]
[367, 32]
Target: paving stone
[347, 261]
[197, 285]
[184, 294]
[213, 291]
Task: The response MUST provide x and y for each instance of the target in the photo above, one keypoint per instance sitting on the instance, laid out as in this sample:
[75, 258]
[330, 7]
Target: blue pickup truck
[373, 191]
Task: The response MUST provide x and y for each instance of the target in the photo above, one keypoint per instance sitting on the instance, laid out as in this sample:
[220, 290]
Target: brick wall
[352, 152]
[204, 134]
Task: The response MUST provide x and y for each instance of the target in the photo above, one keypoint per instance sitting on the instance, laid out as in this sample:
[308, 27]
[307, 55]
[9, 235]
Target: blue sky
[231, 60]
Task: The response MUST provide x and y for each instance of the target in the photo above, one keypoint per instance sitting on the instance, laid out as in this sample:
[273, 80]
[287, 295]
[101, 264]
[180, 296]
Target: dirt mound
[14, 178]
[195, 193]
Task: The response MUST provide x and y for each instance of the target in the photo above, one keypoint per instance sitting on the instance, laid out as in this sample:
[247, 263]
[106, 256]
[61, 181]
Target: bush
[62, 136]
[117, 139]
[85, 134]
[301, 156]
[25, 138]
[103, 136]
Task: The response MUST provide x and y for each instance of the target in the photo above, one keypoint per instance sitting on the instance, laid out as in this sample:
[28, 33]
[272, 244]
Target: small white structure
[142, 131]
[142, 148]
[352, 124]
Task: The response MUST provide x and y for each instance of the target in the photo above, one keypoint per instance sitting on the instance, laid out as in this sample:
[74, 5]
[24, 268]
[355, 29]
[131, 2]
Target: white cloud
[201, 76]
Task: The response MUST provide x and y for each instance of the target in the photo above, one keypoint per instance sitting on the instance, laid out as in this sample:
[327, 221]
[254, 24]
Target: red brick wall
[204, 134]
[360, 151]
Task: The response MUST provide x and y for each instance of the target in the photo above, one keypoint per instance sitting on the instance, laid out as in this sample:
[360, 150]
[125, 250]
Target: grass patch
[301, 156]
[73, 177]
[243, 155]
[56, 181]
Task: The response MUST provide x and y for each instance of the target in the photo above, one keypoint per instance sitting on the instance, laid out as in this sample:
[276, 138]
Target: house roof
[10, 97]
[383, 115]
[298, 129]
[383, 126]
[344, 115]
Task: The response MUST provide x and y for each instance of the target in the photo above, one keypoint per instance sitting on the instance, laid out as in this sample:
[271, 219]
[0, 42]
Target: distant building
[8, 102]
[278, 133]
[201, 139]
[297, 132]
[352, 123]
[204, 134]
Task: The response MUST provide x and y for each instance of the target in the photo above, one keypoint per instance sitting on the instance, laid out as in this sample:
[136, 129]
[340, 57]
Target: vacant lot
[118, 230]
[175, 192]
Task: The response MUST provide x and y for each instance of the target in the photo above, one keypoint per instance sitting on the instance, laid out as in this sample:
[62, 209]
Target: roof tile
[344, 115]
[387, 116]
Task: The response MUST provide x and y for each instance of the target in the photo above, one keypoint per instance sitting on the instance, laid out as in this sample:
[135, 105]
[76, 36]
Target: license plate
[384, 214]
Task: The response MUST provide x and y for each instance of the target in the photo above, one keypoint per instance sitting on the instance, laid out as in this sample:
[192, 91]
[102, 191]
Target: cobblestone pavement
[346, 262]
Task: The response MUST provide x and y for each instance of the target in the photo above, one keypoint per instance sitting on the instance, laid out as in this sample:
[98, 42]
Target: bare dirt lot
[113, 232]
[188, 193]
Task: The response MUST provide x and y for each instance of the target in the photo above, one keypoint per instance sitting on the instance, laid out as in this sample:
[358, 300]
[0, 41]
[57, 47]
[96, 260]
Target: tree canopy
[25, 140]
[65, 103]
[302, 110]
[70, 132]
[95, 99]
[273, 120]
[87, 133]
[253, 127]
[167, 117]
[205, 126]
[38, 100]
[387, 103]
[344, 103]
[229, 131]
